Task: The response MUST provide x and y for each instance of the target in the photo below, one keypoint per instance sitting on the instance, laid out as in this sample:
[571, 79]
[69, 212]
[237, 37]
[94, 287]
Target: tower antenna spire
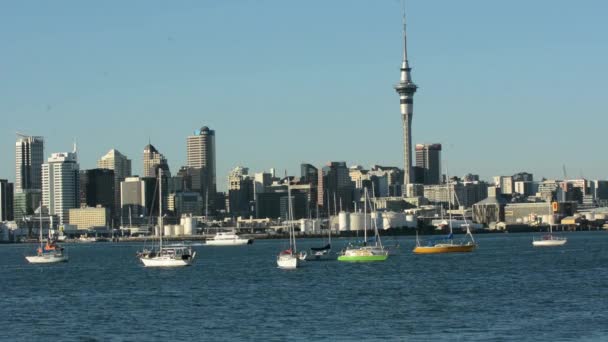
[406, 89]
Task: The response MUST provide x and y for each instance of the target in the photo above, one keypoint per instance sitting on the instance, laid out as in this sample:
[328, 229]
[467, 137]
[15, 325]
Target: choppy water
[506, 290]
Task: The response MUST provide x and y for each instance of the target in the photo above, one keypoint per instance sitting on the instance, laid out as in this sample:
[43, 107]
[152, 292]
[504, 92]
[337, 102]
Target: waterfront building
[428, 157]
[6, 200]
[25, 203]
[121, 165]
[335, 186]
[505, 184]
[308, 174]
[154, 160]
[88, 217]
[60, 184]
[523, 177]
[240, 192]
[406, 89]
[547, 189]
[97, 189]
[461, 194]
[187, 202]
[525, 188]
[491, 209]
[201, 156]
[138, 198]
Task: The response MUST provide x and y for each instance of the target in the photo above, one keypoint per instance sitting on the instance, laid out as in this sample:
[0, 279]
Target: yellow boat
[448, 245]
[445, 248]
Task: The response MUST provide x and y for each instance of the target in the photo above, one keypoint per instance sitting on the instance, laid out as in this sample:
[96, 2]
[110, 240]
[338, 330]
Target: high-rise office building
[29, 156]
[60, 184]
[428, 157]
[406, 89]
[139, 198]
[6, 200]
[335, 187]
[201, 156]
[97, 189]
[308, 174]
[114, 160]
[27, 189]
[154, 160]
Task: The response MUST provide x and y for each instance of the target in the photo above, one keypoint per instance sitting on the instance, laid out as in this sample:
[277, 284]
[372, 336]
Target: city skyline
[498, 101]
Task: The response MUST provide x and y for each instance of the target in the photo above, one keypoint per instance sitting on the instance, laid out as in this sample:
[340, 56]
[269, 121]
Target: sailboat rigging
[165, 256]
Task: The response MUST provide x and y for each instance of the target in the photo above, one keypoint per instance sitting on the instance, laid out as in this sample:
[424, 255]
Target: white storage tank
[359, 220]
[376, 220]
[343, 221]
[188, 224]
[548, 219]
[168, 230]
[178, 230]
[393, 219]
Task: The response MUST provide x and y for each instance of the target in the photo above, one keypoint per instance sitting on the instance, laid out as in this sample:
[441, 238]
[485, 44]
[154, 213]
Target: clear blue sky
[506, 86]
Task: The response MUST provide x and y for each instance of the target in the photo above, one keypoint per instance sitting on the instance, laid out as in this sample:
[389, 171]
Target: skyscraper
[201, 156]
[428, 158]
[97, 188]
[406, 89]
[154, 160]
[335, 188]
[29, 156]
[6, 200]
[114, 160]
[60, 184]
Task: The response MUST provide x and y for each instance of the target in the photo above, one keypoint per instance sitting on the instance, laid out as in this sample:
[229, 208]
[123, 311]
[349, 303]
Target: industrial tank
[168, 230]
[188, 224]
[393, 219]
[178, 230]
[343, 221]
[358, 221]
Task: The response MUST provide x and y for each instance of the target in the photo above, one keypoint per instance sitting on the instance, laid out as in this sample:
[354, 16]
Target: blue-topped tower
[406, 89]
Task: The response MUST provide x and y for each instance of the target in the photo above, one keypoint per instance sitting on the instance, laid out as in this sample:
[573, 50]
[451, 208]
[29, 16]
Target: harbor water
[505, 290]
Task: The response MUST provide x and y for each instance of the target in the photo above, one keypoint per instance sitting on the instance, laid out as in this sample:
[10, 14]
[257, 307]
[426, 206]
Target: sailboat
[549, 240]
[365, 253]
[165, 256]
[48, 253]
[323, 252]
[448, 245]
[289, 258]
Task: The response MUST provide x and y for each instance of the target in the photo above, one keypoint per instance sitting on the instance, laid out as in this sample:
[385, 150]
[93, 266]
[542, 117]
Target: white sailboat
[289, 258]
[549, 240]
[165, 256]
[48, 253]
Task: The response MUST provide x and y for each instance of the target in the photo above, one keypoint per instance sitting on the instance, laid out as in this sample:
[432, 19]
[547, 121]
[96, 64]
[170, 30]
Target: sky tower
[406, 89]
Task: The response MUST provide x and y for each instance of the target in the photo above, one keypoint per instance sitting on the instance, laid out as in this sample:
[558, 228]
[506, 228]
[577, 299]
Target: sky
[505, 86]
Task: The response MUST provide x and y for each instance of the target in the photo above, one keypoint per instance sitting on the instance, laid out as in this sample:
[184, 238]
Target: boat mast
[375, 211]
[40, 216]
[292, 238]
[365, 217]
[160, 208]
[447, 182]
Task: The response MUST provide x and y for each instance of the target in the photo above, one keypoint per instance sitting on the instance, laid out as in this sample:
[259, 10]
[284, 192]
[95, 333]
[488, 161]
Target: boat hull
[288, 261]
[165, 262]
[548, 243]
[362, 258]
[46, 259]
[238, 242]
[444, 249]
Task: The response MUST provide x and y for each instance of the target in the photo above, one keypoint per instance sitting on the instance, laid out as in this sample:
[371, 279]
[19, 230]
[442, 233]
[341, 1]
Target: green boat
[365, 253]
